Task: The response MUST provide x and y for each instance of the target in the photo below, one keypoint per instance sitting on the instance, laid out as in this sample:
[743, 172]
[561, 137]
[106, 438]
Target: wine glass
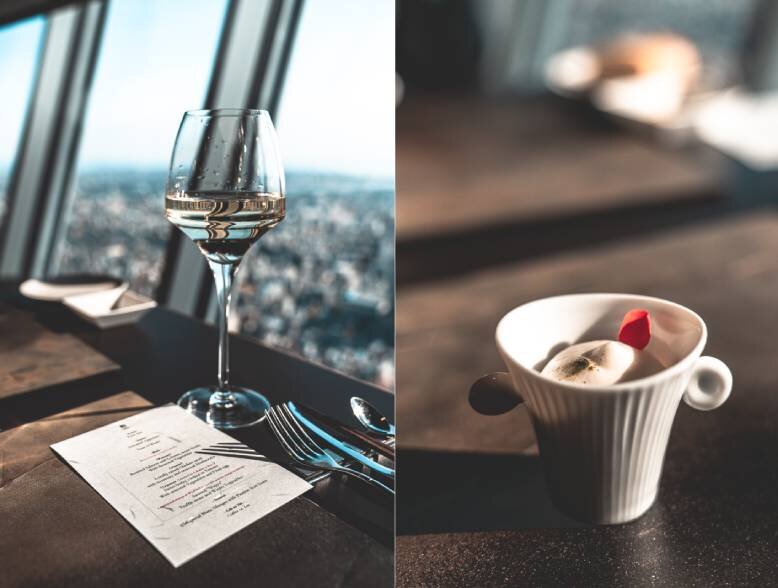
[225, 190]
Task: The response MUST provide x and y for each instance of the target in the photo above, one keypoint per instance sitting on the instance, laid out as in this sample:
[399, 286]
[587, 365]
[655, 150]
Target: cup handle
[710, 384]
[494, 394]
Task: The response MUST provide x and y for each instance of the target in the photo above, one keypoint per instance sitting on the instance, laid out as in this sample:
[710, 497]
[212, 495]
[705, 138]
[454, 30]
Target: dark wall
[438, 44]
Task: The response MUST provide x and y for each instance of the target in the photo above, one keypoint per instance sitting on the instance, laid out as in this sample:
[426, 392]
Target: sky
[19, 45]
[337, 107]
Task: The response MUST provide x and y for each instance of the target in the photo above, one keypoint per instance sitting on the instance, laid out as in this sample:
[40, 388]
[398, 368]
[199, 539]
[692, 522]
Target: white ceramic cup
[603, 447]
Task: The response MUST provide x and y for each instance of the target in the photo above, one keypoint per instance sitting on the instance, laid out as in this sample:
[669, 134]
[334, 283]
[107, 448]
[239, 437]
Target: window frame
[26, 114]
[46, 151]
[41, 187]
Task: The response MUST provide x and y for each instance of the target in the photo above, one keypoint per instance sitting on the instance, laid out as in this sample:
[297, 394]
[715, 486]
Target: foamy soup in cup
[603, 447]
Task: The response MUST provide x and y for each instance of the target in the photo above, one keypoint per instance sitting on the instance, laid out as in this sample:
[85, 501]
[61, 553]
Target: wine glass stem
[223, 274]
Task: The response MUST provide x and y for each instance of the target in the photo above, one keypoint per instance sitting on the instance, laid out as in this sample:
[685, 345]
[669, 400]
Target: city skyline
[288, 170]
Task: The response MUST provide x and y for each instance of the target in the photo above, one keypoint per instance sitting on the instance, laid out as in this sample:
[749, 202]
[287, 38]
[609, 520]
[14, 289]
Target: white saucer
[110, 308]
[56, 292]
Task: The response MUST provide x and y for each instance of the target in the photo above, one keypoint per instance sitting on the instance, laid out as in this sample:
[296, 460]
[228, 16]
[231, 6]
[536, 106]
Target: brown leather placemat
[27, 446]
[56, 530]
[33, 357]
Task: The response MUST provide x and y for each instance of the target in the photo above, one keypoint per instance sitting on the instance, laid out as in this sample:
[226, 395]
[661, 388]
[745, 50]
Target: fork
[305, 451]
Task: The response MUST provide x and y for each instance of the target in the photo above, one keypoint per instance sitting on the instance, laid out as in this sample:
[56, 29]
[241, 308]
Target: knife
[357, 437]
[342, 446]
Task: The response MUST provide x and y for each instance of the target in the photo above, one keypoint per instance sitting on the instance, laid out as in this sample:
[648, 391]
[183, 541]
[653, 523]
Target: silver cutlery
[356, 437]
[342, 446]
[371, 419]
[302, 449]
[243, 451]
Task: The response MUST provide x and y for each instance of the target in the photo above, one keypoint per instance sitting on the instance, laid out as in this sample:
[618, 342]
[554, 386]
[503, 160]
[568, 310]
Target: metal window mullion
[51, 134]
[269, 93]
[74, 110]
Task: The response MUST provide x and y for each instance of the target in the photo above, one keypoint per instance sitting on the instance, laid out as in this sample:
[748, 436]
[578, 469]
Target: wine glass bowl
[225, 190]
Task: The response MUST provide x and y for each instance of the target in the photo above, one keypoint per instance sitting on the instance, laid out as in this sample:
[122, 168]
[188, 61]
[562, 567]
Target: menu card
[183, 502]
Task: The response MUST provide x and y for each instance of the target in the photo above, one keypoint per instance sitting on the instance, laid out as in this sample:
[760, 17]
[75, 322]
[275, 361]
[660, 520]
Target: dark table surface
[166, 353]
[473, 508]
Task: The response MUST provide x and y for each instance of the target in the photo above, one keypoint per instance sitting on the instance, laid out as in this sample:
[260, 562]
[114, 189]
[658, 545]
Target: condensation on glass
[155, 63]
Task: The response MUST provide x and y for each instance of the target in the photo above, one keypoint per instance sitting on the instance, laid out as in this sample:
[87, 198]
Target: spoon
[371, 419]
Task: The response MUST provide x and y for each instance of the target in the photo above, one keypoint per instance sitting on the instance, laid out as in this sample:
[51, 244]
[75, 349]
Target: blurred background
[548, 147]
[93, 93]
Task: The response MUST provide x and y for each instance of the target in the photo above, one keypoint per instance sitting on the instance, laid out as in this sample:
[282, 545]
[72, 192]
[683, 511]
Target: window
[155, 63]
[716, 27]
[322, 282]
[19, 45]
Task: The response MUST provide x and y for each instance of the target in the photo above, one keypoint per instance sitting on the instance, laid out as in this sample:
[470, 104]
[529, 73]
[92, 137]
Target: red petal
[635, 329]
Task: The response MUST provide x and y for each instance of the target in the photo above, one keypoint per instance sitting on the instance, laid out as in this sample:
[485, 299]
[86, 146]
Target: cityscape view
[321, 284]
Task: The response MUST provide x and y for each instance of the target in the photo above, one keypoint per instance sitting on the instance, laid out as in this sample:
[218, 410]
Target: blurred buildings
[322, 282]
[116, 226]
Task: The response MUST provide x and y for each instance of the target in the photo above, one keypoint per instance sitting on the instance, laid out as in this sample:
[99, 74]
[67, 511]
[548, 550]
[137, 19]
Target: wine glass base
[244, 408]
